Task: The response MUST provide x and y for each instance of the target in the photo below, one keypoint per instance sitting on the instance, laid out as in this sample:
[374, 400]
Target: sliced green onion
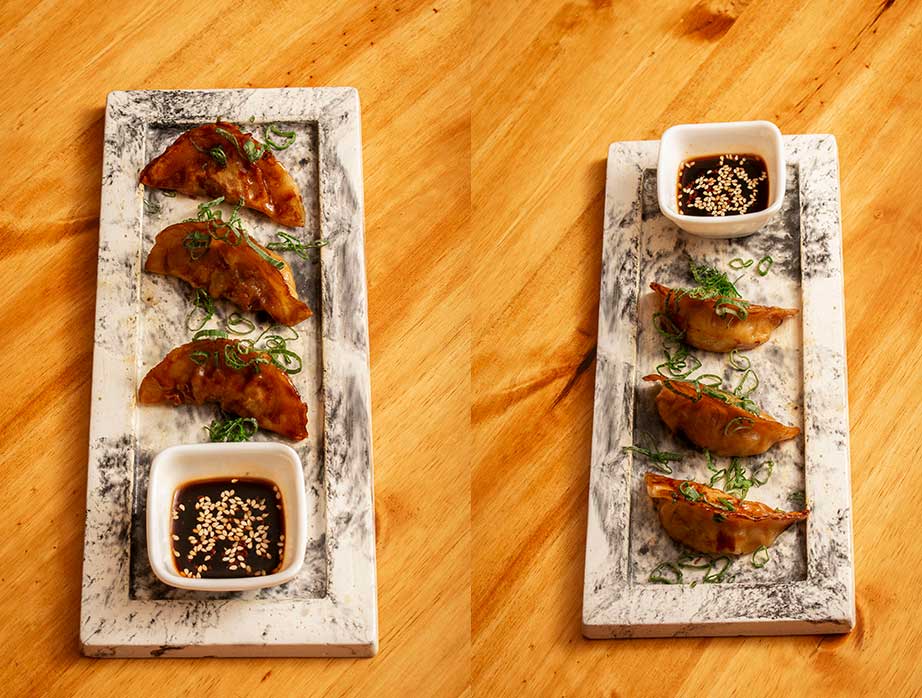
[667, 329]
[741, 390]
[217, 153]
[716, 575]
[209, 334]
[278, 264]
[738, 263]
[694, 562]
[253, 150]
[768, 466]
[688, 491]
[200, 357]
[738, 361]
[760, 557]
[232, 429]
[236, 322]
[764, 265]
[289, 243]
[289, 137]
[659, 459]
[201, 303]
[738, 424]
[670, 569]
[725, 503]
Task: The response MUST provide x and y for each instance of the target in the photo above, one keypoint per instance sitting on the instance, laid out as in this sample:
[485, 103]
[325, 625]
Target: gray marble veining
[330, 609]
[807, 586]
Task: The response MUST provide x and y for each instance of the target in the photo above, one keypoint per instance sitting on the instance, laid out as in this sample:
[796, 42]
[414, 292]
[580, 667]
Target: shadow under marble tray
[807, 586]
[330, 608]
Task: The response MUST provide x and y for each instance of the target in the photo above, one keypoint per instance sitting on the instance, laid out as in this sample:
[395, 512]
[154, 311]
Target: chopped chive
[725, 503]
[760, 557]
[236, 323]
[659, 459]
[716, 575]
[737, 263]
[688, 491]
[273, 129]
[738, 424]
[738, 361]
[217, 153]
[657, 575]
[209, 334]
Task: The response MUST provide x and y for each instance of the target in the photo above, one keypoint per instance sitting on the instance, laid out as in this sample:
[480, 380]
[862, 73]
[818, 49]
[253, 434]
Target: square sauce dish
[226, 516]
[721, 180]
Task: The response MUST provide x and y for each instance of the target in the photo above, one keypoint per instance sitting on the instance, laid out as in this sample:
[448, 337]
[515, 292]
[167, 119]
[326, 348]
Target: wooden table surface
[485, 128]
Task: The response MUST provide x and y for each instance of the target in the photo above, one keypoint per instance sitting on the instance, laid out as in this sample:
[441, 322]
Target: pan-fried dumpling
[244, 383]
[707, 330]
[711, 521]
[221, 160]
[714, 419]
[238, 272]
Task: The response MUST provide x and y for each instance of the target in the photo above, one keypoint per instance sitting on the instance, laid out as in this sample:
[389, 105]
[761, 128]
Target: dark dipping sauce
[723, 185]
[229, 527]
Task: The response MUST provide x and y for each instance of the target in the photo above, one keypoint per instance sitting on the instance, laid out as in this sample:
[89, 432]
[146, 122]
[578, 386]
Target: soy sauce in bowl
[228, 527]
[729, 184]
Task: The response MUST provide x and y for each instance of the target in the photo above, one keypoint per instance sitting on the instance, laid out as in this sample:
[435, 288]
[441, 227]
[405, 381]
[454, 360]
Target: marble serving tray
[330, 608]
[808, 584]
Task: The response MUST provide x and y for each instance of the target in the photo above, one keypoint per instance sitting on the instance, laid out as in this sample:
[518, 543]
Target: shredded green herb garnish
[714, 285]
[678, 364]
[273, 129]
[738, 424]
[735, 480]
[217, 154]
[289, 243]
[739, 362]
[688, 491]
[253, 150]
[764, 265]
[737, 263]
[725, 503]
[717, 574]
[742, 390]
[209, 334]
[760, 557]
[152, 207]
[237, 324]
[203, 310]
[657, 575]
[768, 467]
[659, 459]
[667, 329]
[232, 429]
[696, 561]
[200, 357]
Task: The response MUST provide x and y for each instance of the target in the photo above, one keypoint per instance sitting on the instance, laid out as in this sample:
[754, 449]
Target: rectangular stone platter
[808, 584]
[330, 608]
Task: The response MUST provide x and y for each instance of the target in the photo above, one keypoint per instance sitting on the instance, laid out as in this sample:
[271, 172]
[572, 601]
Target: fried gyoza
[712, 521]
[237, 272]
[221, 160]
[718, 424]
[244, 383]
[707, 330]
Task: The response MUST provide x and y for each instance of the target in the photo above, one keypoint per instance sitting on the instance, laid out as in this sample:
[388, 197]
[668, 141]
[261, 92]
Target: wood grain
[485, 128]
[552, 88]
[408, 61]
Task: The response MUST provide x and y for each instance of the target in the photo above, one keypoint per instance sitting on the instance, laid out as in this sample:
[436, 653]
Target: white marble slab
[808, 585]
[330, 609]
